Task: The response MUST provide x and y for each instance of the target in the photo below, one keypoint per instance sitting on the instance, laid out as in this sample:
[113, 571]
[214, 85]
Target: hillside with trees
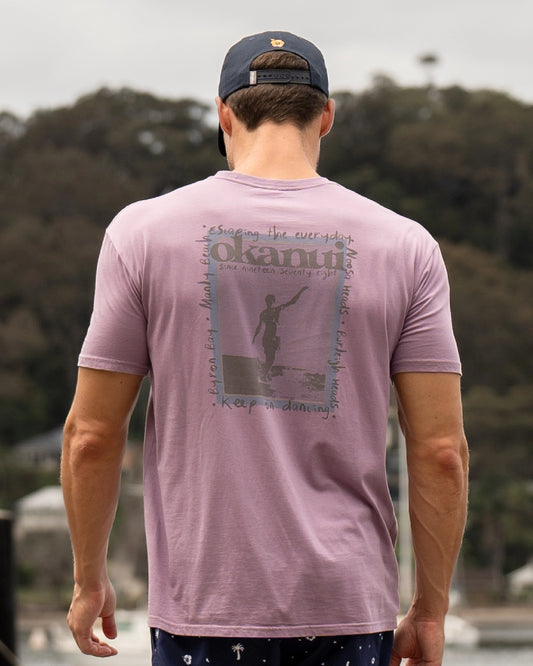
[460, 162]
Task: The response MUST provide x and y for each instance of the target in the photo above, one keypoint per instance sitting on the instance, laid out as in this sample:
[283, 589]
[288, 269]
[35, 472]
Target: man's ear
[328, 115]
[224, 116]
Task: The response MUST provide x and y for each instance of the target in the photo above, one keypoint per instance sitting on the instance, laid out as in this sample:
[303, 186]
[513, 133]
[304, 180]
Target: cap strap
[280, 76]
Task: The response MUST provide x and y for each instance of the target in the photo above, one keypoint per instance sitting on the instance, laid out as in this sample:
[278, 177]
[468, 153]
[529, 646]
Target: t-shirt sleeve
[116, 339]
[427, 342]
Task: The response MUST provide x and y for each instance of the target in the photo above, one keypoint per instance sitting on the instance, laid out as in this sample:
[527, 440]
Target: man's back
[270, 490]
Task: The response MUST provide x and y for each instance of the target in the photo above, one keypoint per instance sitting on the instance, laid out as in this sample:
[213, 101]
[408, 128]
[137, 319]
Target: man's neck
[280, 152]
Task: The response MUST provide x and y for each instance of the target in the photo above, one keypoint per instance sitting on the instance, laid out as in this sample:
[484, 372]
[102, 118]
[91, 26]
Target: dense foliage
[460, 162]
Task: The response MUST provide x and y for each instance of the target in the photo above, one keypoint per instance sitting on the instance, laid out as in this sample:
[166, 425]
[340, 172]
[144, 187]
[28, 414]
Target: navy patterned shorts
[356, 650]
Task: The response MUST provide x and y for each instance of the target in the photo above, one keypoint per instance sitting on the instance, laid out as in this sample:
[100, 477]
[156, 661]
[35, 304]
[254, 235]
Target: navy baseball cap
[236, 73]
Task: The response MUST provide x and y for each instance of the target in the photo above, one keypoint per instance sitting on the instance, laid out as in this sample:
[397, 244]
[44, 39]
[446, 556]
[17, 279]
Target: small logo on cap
[277, 43]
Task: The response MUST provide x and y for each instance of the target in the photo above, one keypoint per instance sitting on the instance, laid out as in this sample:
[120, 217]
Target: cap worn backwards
[236, 73]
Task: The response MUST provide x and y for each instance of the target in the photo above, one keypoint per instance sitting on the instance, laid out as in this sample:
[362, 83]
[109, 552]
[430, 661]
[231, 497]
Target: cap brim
[221, 144]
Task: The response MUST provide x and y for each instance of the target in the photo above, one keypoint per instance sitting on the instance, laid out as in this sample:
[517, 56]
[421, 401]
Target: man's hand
[421, 642]
[85, 609]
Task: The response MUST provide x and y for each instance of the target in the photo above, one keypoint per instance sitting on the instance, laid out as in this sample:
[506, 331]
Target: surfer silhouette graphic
[269, 318]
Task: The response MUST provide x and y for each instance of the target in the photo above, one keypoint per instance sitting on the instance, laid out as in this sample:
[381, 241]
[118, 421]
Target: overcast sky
[53, 51]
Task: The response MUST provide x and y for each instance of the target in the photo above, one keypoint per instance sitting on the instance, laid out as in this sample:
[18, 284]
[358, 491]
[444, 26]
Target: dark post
[7, 590]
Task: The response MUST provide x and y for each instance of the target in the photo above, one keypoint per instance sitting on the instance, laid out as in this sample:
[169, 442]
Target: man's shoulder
[376, 216]
[143, 213]
[168, 199]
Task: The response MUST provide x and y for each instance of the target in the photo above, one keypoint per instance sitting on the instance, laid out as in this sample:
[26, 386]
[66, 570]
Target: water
[488, 656]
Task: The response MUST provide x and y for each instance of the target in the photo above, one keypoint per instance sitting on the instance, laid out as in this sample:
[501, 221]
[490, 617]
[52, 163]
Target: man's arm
[429, 406]
[94, 440]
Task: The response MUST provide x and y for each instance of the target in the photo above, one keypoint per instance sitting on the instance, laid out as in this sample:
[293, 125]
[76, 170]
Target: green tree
[500, 430]
[493, 317]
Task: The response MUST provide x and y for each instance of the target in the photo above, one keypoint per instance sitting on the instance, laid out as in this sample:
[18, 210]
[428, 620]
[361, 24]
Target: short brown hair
[288, 102]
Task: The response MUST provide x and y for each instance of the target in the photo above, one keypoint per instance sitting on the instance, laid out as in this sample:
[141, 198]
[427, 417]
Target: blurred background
[103, 103]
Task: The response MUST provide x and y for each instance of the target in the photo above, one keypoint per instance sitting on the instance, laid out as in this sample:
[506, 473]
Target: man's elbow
[84, 444]
[452, 456]
[448, 467]
[443, 458]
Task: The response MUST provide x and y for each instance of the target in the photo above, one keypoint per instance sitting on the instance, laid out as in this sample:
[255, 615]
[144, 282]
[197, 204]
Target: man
[270, 528]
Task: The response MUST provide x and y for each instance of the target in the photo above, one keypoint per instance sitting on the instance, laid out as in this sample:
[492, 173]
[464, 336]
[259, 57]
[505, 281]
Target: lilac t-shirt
[270, 316]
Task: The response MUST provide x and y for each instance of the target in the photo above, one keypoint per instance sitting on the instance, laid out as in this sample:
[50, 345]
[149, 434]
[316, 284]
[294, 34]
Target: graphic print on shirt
[276, 305]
